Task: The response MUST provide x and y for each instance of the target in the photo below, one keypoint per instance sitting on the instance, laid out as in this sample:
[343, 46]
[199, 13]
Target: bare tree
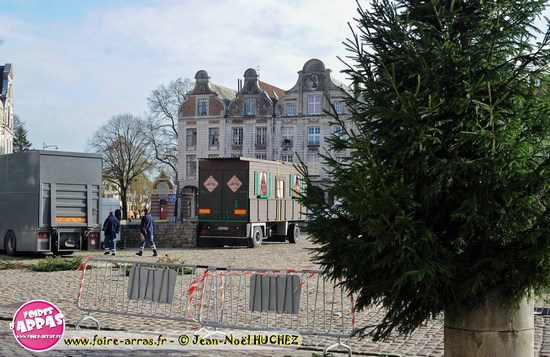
[162, 122]
[124, 147]
[140, 191]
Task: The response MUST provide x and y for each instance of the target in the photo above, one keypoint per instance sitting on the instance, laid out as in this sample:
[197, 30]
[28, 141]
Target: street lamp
[44, 146]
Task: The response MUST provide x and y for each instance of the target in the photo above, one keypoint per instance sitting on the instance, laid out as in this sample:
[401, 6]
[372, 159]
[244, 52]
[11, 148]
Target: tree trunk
[492, 331]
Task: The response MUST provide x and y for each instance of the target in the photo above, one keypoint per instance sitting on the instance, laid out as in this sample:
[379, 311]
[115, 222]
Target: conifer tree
[20, 141]
[446, 197]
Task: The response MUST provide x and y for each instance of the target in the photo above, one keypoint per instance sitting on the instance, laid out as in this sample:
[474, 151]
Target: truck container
[244, 201]
[50, 201]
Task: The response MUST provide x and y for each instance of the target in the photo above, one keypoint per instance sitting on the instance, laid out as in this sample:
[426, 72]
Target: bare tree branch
[126, 155]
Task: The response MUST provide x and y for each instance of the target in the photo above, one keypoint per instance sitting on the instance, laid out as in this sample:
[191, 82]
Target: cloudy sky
[78, 63]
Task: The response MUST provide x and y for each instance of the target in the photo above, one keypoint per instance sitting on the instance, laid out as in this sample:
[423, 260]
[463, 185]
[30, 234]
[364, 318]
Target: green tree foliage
[20, 141]
[446, 196]
[124, 147]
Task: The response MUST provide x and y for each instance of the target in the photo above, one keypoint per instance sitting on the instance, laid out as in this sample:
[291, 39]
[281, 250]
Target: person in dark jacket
[148, 230]
[111, 227]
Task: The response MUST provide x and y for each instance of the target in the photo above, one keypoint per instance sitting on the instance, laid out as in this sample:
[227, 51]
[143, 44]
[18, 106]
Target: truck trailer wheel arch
[10, 244]
[257, 237]
[293, 233]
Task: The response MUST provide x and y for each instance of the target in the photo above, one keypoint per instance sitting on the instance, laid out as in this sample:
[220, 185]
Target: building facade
[261, 121]
[6, 109]
[302, 125]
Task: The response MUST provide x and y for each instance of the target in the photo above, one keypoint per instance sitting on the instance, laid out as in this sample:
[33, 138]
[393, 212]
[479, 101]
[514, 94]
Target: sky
[79, 63]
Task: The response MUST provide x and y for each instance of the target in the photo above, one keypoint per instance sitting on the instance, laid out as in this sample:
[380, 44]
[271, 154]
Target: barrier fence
[305, 301]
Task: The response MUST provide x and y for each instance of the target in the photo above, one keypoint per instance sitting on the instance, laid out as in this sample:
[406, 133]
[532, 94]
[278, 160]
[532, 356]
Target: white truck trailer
[50, 201]
[244, 201]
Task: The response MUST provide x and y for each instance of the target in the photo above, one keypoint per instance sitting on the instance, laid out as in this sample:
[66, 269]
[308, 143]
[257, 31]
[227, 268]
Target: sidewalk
[60, 288]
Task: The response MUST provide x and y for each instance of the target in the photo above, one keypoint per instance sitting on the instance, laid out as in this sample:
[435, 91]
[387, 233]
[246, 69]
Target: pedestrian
[111, 227]
[147, 229]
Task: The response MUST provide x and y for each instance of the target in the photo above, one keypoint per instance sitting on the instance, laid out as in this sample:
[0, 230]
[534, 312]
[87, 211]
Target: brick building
[258, 120]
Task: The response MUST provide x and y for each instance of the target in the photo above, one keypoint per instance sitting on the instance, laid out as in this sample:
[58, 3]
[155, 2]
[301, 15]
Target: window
[238, 136]
[191, 137]
[313, 104]
[261, 156]
[341, 158]
[313, 164]
[314, 136]
[291, 109]
[202, 107]
[250, 106]
[339, 107]
[287, 157]
[261, 135]
[287, 133]
[340, 132]
[191, 166]
[213, 136]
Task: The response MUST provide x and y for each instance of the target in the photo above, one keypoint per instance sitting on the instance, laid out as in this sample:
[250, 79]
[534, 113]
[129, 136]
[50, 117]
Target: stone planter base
[492, 331]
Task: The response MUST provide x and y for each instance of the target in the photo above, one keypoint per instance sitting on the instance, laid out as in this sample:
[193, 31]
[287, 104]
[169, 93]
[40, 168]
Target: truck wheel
[293, 233]
[257, 237]
[10, 244]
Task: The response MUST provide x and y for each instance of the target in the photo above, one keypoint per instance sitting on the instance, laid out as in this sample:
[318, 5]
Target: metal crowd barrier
[137, 288]
[304, 301]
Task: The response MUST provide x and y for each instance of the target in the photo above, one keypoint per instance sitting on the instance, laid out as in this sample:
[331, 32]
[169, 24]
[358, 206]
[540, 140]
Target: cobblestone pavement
[22, 285]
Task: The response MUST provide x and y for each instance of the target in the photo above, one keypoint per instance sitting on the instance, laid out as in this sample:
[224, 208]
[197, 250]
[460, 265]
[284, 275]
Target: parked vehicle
[244, 201]
[50, 201]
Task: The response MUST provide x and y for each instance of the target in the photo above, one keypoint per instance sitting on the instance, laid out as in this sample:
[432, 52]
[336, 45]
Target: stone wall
[167, 235]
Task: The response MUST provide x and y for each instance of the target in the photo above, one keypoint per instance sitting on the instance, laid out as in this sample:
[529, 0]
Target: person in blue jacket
[111, 227]
[148, 230]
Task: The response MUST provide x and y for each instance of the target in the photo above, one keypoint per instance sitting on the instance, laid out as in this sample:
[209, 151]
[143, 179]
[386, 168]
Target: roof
[339, 84]
[223, 92]
[271, 90]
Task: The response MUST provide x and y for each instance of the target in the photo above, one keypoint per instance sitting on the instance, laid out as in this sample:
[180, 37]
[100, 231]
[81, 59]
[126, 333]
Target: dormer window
[290, 109]
[339, 107]
[202, 107]
[250, 106]
[313, 104]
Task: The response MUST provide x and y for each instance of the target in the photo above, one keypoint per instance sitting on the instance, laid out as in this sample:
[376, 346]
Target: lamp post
[44, 146]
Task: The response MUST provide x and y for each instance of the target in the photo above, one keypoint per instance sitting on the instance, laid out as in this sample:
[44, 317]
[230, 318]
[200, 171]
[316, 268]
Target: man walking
[147, 229]
[111, 227]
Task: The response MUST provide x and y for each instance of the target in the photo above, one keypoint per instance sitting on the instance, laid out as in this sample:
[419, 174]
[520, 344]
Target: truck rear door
[223, 195]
